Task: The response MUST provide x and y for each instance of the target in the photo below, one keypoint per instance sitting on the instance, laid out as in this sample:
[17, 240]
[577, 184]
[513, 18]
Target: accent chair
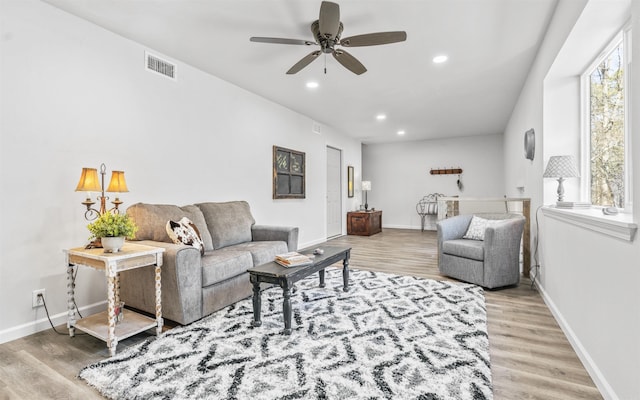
[493, 261]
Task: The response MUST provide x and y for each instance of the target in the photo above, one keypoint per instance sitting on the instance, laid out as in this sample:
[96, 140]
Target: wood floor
[530, 356]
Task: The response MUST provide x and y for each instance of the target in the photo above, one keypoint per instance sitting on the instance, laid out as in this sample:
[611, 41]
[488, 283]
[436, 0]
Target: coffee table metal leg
[321, 273]
[345, 273]
[257, 302]
[286, 309]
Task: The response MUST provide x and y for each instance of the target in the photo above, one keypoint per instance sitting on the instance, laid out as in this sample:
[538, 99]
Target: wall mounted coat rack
[446, 171]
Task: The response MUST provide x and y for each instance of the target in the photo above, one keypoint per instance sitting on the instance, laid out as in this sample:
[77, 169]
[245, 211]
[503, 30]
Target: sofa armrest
[502, 250]
[286, 234]
[181, 284]
[505, 233]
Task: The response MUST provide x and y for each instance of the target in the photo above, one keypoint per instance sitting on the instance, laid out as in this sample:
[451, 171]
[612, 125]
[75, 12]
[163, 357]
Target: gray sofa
[492, 262]
[195, 285]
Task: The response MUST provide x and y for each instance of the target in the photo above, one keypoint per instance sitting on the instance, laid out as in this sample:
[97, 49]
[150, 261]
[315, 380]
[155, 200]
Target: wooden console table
[104, 325]
[364, 223]
[449, 206]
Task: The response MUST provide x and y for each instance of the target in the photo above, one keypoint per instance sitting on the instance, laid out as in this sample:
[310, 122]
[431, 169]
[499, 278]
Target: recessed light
[381, 117]
[312, 85]
[440, 59]
[401, 132]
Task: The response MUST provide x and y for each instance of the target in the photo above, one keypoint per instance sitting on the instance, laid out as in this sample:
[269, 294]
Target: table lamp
[366, 186]
[561, 167]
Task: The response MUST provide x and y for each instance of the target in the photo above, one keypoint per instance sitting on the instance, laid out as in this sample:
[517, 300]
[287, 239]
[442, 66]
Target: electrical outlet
[36, 299]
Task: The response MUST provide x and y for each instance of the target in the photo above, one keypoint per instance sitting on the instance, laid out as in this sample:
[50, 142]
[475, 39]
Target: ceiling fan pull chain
[325, 63]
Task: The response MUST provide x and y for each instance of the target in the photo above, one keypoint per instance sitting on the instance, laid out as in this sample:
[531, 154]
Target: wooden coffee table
[275, 273]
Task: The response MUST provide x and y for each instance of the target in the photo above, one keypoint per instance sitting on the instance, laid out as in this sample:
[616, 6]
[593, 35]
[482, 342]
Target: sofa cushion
[185, 232]
[262, 252]
[220, 265]
[473, 249]
[228, 223]
[151, 220]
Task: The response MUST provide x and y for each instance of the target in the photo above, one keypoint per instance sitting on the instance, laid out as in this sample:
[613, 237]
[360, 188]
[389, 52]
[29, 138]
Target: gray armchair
[492, 262]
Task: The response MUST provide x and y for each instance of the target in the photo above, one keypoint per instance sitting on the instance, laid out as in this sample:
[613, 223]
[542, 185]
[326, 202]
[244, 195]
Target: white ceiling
[490, 43]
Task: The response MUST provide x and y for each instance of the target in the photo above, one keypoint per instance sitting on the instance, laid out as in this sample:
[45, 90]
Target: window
[605, 161]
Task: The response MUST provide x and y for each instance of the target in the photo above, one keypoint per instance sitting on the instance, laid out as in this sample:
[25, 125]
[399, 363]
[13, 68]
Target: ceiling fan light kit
[327, 30]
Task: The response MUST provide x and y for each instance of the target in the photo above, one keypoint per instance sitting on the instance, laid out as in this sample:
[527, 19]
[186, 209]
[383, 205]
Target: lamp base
[560, 190]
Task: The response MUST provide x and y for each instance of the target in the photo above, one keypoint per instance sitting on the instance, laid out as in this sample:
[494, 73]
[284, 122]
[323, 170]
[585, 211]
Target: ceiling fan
[327, 30]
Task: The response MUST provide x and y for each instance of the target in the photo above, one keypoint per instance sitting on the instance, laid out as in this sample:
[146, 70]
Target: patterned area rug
[389, 337]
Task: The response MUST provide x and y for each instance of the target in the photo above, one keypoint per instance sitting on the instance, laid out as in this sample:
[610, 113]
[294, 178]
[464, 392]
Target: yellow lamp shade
[89, 181]
[117, 184]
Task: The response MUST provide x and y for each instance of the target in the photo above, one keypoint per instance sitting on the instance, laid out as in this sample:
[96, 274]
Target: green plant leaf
[112, 225]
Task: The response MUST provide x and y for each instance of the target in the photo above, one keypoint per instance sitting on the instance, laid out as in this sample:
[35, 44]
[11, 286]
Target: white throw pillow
[185, 232]
[477, 227]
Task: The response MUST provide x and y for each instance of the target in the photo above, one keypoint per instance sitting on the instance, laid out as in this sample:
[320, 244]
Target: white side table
[103, 325]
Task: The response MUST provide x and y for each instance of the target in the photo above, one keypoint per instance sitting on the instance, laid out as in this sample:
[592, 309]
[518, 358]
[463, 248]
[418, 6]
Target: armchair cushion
[473, 249]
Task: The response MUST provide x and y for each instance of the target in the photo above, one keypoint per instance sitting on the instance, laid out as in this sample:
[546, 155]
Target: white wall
[528, 111]
[74, 95]
[589, 280]
[399, 174]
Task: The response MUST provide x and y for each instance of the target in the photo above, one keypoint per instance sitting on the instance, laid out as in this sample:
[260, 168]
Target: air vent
[159, 66]
[315, 127]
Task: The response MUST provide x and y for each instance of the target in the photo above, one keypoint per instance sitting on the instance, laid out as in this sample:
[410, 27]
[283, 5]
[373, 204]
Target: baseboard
[314, 242]
[17, 332]
[401, 227]
[598, 378]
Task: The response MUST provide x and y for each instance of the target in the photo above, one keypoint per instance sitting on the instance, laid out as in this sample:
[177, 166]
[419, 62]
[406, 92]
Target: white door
[334, 192]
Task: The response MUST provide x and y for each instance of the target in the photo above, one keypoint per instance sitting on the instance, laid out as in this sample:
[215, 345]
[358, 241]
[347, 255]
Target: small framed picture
[349, 181]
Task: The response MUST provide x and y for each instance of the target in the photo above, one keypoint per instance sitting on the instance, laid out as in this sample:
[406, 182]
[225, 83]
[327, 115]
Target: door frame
[340, 187]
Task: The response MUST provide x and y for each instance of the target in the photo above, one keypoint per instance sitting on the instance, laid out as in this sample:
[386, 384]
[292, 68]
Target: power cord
[73, 283]
[46, 310]
[536, 266]
[44, 303]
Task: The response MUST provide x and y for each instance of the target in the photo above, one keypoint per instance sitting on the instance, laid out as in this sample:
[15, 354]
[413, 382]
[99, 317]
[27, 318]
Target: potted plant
[112, 229]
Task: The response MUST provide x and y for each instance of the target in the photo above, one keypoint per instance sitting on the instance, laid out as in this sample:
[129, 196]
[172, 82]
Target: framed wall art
[349, 181]
[288, 173]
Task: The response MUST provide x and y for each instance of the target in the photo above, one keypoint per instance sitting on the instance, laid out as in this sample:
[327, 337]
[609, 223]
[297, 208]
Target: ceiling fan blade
[281, 41]
[349, 62]
[373, 39]
[329, 19]
[304, 62]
